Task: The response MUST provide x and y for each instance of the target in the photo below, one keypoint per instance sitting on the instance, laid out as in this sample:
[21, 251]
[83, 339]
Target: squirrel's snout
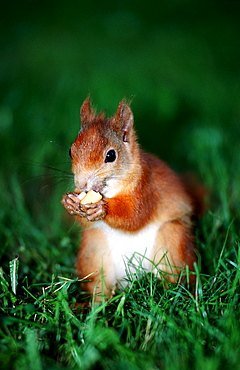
[87, 183]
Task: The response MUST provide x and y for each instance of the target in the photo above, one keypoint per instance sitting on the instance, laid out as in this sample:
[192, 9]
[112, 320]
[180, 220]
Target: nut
[91, 197]
[82, 195]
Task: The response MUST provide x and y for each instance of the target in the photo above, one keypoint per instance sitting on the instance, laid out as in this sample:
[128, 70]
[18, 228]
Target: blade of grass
[14, 274]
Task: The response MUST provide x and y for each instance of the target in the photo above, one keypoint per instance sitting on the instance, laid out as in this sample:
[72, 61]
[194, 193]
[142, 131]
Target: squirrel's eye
[70, 153]
[110, 156]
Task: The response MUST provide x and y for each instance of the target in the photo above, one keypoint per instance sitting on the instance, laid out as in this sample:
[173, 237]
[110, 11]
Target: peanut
[91, 197]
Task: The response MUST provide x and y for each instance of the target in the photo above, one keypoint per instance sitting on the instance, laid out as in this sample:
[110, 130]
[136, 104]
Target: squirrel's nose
[86, 183]
[81, 184]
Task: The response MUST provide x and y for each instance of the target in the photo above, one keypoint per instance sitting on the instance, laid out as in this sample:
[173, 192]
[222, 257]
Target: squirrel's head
[105, 150]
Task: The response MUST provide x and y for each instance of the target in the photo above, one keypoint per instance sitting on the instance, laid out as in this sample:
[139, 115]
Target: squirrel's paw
[90, 211]
[72, 204]
[95, 211]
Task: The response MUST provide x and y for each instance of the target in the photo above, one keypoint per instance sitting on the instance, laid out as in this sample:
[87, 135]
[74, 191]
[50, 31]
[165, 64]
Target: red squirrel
[145, 210]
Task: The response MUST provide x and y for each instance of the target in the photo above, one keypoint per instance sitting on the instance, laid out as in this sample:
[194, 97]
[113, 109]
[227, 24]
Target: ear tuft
[123, 120]
[86, 113]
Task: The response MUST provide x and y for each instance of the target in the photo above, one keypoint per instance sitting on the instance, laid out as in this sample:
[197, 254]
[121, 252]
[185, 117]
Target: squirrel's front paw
[72, 204]
[90, 211]
[95, 211]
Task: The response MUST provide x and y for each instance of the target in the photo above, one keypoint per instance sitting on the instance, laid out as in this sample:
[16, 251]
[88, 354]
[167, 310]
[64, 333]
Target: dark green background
[177, 61]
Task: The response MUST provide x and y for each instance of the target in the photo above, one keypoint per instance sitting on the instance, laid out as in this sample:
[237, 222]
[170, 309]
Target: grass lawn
[180, 67]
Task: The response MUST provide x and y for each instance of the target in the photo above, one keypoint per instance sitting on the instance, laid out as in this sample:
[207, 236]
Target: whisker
[50, 168]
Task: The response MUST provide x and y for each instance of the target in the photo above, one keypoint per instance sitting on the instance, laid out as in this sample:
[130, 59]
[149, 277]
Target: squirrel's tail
[197, 192]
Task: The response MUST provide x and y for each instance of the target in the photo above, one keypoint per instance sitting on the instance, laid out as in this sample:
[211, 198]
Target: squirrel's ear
[123, 120]
[86, 113]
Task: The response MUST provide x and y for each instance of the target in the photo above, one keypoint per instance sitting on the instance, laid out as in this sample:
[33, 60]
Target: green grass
[145, 326]
[181, 66]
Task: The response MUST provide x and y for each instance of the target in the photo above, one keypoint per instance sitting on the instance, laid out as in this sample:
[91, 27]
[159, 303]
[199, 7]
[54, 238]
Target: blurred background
[179, 63]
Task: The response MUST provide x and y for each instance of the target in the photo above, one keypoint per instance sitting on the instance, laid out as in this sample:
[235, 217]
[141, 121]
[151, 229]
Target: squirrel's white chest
[129, 251]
